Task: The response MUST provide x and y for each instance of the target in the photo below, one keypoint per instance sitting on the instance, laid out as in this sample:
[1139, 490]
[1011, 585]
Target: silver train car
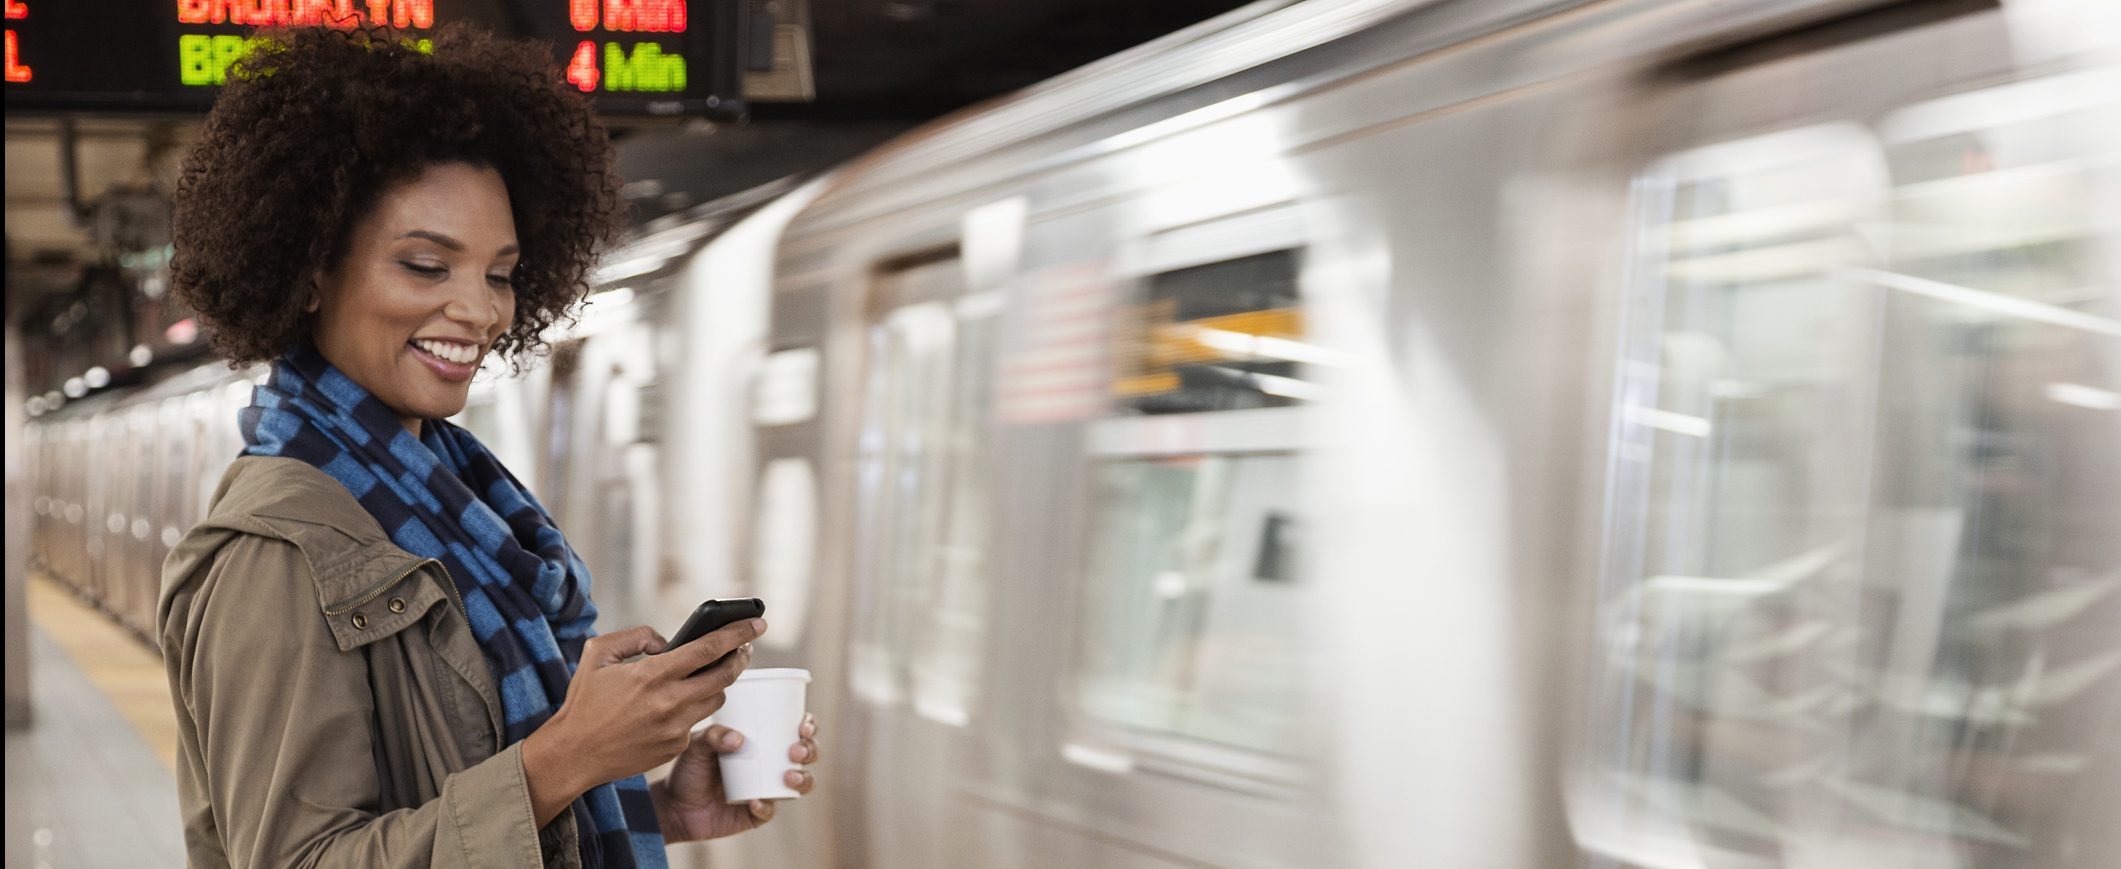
[115, 480]
[1500, 434]
[1387, 433]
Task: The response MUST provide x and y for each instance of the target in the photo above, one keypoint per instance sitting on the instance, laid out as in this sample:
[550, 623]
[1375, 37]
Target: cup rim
[774, 673]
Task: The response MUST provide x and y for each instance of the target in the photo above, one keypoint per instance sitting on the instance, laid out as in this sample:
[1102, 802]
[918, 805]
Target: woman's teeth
[457, 353]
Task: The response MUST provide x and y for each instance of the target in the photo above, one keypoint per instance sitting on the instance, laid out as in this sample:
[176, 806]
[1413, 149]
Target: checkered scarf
[444, 496]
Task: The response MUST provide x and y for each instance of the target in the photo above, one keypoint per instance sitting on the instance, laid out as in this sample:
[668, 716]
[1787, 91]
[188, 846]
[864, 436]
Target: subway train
[1375, 433]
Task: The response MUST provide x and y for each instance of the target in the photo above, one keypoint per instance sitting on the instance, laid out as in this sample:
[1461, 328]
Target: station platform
[91, 781]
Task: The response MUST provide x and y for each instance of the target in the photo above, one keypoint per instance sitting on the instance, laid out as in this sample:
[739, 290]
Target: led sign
[634, 57]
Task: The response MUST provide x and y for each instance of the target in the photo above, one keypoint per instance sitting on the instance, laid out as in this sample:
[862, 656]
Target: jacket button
[397, 604]
[359, 621]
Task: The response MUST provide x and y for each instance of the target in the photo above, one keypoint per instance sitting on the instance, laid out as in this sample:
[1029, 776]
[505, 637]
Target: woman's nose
[475, 307]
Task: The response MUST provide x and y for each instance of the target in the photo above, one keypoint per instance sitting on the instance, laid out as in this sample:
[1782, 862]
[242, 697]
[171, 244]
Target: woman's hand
[622, 717]
[691, 803]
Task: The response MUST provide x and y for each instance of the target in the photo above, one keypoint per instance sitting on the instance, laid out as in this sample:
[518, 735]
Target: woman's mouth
[452, 362]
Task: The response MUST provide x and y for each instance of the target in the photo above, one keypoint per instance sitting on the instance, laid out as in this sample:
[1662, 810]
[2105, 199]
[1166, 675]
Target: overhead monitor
[635, 57]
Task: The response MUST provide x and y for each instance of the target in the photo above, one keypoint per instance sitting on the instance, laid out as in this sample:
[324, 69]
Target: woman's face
[423, 291]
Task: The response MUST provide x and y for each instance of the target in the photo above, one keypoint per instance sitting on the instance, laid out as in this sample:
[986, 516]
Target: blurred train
[1376, 433]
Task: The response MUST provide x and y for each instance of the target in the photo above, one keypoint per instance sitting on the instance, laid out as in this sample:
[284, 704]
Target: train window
[148, 474]
[1735, 491]
[173, 432]
[785, 390]
[1193, 582]
[946, 658]
[1212, 337]
[556, 466]
[784, 546]
[1861, 578]
[1987, 632]
[921, 597]
[900, 483]
[623, 474]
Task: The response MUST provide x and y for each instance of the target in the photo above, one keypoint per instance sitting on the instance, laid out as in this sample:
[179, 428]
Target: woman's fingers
[617, 646]
[809, 728]
[762, 810]
[723, 739]
[701, 706]
[802, 782]
[686, 659]
[804, 751]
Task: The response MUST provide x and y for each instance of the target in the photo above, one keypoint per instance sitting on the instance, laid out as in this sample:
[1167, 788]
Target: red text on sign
[342, 14]
[16, 72]
[643, 16]
[582, 68]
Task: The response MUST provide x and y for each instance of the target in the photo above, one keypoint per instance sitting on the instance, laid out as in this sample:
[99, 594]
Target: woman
[380, 646]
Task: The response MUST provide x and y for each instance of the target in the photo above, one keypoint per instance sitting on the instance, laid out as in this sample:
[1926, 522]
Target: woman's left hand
[691, 803]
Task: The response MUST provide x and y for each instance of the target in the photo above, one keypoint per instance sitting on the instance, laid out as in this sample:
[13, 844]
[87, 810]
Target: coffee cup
[766, 706]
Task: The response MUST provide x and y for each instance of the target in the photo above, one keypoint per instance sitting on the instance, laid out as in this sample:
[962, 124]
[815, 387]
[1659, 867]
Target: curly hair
[315, 123]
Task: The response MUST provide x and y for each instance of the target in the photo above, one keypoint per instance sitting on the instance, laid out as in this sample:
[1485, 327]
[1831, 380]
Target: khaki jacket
[333, 708]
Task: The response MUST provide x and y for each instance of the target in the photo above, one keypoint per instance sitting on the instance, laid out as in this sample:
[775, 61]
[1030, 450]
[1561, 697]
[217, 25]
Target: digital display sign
[634, 57]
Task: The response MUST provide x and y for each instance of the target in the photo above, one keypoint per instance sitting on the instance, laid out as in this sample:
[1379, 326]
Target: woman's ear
[316, 293]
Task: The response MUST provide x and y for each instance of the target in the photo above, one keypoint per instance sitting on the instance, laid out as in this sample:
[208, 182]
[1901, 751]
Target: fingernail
[758, 626]
[733, 741]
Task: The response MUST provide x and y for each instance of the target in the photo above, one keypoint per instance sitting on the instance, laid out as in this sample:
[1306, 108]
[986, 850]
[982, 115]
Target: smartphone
[714, 615]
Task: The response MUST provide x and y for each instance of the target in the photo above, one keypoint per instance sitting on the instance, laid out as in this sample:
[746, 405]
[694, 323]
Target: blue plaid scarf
[444, 496]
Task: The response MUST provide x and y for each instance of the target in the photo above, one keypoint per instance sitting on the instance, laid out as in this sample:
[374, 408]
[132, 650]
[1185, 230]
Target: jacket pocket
[387, 608]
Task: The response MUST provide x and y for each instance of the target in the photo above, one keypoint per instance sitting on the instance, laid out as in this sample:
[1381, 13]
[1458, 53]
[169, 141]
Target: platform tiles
[90, 781]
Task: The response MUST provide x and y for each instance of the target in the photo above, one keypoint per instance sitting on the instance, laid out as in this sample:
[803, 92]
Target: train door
[620, 489]
[910, 451]
[112, 485]
[173, 443]
[69, 509]
[35, 478]
[1852, 608]
[558, 429]
[143, 486]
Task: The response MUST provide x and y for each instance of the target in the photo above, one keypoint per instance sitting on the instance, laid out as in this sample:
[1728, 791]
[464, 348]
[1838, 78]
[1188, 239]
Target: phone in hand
[714, 615]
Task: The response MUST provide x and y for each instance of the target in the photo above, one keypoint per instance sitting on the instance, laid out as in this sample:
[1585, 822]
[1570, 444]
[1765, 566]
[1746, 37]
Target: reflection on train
[1381, 433]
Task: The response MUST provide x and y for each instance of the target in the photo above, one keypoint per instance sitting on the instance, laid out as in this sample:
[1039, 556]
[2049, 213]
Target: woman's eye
[501, 281]
[424, 270]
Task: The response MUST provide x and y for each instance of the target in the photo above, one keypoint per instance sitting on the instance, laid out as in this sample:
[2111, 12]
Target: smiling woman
[381, 650]
[319, 127]
[427, 285]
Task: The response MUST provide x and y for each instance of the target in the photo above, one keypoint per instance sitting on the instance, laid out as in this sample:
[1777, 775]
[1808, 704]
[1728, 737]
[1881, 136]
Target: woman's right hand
[622, 717]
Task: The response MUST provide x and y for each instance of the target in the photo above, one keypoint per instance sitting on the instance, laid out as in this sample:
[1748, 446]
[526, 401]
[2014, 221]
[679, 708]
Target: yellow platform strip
[116, 662]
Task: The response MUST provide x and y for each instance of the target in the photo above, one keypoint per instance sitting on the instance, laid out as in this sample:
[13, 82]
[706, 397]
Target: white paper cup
[766, 706]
